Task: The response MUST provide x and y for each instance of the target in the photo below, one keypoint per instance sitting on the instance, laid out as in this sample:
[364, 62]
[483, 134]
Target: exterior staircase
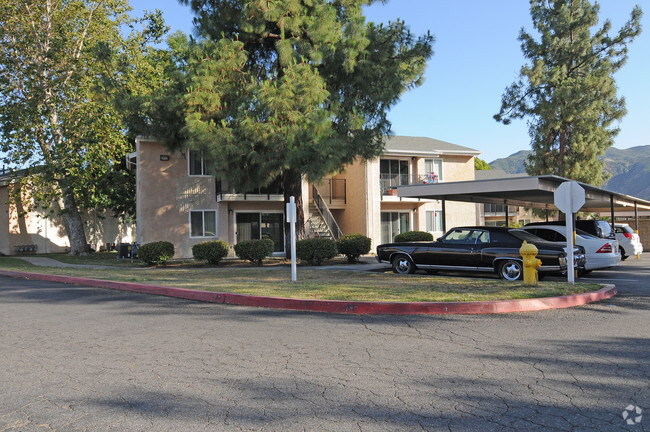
[316, 225]
[321, 223]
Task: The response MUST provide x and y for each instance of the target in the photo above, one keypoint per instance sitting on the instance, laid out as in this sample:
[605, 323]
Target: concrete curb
[336, 306]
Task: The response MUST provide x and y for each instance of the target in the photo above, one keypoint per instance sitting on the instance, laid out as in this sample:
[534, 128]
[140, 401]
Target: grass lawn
[274, 280]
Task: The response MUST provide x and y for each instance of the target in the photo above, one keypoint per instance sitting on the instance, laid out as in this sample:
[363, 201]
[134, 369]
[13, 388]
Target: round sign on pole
[569, 197]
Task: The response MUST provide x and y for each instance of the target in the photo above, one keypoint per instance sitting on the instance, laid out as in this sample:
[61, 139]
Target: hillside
[629, 169]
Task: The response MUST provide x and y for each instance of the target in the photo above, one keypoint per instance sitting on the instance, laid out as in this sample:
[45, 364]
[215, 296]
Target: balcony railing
[391, 181]
[333, 190]
[274, 188]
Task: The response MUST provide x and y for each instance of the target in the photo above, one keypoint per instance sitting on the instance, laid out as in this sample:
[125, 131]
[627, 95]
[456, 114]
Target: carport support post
[611, 204]
[444, 216]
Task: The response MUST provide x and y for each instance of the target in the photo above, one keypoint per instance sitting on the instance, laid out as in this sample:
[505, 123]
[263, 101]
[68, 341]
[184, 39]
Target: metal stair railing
[326, 214]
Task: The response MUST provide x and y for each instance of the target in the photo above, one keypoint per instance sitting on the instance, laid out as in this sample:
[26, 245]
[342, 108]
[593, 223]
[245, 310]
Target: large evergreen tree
[293, 88]
[567, 90]
[65, 71]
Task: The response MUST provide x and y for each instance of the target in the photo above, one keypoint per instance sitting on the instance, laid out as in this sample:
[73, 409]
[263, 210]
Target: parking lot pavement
[78, 359]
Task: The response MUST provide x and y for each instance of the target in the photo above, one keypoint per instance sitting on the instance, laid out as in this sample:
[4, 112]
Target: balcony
[272, 192]
[390, 181]
[334, 192]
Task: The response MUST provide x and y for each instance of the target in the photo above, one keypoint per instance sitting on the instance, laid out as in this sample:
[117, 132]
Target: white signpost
[291, 218]
[569, 198]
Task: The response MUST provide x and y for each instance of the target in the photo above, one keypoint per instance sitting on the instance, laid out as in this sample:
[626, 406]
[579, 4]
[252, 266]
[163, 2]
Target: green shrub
[254, 250]
[410, 236]
[315, 250]
[210, 251]
[353, 246]
[156, 253]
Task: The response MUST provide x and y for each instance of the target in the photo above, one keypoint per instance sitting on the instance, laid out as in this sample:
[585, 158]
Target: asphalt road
[87, 359]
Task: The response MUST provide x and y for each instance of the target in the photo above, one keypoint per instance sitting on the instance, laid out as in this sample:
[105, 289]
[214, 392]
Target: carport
[524, 191]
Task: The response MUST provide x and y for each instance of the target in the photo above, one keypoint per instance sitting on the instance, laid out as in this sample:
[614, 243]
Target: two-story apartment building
[24, 229]
[180, 199]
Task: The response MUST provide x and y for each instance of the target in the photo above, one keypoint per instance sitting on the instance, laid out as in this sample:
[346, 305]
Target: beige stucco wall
[458, 168]
[48, 234]
[166, 194]
[353, 219]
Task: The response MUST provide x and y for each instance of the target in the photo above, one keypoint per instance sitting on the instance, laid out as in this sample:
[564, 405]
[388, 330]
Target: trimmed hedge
[210, 251]
[411, 236]
[156, 253]
[353, 246]
[255, 250]
[316, 250]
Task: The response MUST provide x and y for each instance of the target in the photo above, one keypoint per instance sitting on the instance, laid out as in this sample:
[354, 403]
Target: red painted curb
[337, 306]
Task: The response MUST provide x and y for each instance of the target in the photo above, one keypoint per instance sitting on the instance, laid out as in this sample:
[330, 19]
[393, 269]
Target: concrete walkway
[49, 262]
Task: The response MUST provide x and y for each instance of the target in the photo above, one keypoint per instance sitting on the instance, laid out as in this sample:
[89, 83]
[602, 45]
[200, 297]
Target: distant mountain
[629, 169]
[513, 164]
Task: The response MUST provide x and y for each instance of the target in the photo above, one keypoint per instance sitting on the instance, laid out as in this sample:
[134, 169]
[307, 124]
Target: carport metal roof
[525, 191]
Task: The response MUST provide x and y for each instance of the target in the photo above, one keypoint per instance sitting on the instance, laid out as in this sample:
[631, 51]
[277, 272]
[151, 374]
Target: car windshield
[465, 236]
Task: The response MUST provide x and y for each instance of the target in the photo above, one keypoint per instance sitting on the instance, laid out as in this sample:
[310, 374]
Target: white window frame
[440, 216]
[434, 162]
[203, 212]
[204, 170]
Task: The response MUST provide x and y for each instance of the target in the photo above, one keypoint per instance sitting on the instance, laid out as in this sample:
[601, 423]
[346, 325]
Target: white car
[629, 242]
[600, 252]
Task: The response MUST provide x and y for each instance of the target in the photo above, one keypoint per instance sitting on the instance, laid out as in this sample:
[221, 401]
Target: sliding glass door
[255, 226]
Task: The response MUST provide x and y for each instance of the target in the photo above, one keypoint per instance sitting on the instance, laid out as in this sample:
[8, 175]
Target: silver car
[599, 252]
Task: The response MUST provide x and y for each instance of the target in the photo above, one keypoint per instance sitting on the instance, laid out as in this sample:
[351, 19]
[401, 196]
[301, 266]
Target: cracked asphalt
[75, 358]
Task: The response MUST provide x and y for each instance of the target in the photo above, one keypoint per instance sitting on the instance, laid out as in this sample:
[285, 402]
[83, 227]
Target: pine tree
[567, 90]
[290, 88]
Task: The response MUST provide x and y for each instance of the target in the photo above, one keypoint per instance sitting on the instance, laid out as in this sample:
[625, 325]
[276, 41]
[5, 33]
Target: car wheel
[403, 264]
[623, 256]
[511, 270]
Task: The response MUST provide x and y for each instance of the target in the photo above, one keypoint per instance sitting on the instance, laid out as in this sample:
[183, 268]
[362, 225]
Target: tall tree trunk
[74, 225]
[292, 185]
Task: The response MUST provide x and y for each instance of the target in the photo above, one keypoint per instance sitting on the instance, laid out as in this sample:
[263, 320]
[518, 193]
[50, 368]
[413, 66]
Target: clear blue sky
[476, 57]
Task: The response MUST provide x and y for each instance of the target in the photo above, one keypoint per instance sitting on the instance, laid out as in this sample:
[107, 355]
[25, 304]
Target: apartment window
[393, 172]
[434, 220]
[203, 223]
[433, 170]
[393, 223]
[197, 165]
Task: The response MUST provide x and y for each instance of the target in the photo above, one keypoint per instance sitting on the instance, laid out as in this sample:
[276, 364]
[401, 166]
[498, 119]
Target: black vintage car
[483, 249]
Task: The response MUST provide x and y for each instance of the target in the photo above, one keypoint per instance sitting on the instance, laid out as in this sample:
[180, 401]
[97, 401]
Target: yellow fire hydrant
[528, 253]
